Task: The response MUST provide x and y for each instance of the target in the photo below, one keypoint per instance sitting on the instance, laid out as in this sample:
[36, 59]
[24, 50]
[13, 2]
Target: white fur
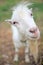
[21, 33]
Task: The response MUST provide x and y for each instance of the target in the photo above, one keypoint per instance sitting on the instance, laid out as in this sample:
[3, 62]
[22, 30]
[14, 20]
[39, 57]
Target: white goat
[23, 29]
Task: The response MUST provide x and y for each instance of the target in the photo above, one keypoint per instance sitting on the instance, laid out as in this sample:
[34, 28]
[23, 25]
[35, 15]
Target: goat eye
[15, 22]
[31, 14]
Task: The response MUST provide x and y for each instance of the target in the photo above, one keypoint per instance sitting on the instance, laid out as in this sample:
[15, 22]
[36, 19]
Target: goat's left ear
[9, 21]
[30, 9]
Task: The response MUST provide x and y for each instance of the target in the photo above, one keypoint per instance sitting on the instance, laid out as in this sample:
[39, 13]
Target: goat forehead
[22, 11]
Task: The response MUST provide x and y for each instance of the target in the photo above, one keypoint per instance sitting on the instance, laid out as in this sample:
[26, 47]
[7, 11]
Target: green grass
[6, 5]
[39, 6]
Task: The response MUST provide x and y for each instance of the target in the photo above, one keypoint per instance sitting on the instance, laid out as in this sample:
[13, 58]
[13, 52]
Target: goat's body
[19, 39]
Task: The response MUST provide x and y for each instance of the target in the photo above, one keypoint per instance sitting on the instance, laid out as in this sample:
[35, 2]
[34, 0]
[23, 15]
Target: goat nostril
[33, 30]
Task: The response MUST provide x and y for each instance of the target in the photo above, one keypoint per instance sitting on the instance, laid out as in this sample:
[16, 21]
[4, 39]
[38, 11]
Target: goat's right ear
[9, 21]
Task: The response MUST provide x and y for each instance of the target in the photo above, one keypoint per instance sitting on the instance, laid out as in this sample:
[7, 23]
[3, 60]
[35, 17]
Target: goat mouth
[33, 38]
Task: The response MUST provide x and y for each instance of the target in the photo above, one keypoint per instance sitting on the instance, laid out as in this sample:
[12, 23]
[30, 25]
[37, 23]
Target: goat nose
[33, 30]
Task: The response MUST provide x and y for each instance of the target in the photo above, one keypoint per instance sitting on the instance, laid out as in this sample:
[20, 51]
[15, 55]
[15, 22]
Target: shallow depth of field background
[6, 44]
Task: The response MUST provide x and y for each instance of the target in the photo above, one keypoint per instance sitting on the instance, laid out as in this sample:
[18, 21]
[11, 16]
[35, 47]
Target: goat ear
[9, 21]
[30, 9]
